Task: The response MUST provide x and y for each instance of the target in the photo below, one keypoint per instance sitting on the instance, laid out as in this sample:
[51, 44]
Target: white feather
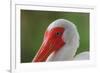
[82, 56]
[70, 37]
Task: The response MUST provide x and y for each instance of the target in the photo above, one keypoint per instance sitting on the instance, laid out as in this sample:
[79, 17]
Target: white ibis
[60, 43]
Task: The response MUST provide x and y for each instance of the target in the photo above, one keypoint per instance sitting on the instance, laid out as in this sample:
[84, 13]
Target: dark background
[34, 24]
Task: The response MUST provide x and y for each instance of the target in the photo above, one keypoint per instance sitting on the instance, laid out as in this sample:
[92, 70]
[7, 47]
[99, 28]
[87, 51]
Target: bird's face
[59, 33]
[52, 41]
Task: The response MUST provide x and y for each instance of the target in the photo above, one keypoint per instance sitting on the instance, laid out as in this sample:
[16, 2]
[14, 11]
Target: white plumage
[71, 37]
[60, 43]
[82, 56]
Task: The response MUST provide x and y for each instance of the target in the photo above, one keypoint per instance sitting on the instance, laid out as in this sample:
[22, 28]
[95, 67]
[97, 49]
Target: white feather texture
[70, 37]
[82, 56]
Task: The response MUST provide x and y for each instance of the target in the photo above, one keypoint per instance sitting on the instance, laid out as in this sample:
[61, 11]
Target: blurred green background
[34, 24]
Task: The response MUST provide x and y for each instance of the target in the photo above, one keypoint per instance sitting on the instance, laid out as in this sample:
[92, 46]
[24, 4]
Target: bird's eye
[59, 33]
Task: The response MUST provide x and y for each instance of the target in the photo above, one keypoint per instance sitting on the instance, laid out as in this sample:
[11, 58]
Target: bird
[60, 43]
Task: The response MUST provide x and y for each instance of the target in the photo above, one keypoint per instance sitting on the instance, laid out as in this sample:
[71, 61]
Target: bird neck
[65, 53]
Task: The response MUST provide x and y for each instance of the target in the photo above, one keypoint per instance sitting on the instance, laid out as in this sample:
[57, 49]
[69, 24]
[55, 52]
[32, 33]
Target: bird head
[58, 33]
